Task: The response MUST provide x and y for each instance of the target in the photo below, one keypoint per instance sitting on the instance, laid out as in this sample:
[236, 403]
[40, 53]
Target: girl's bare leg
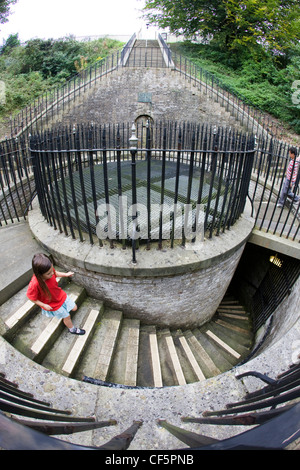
[68, 322]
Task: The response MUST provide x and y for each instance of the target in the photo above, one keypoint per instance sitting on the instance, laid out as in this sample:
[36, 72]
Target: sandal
[77, 331]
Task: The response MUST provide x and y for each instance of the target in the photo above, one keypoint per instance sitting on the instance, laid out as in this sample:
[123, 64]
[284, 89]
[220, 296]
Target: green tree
[11, 42]
[250, 23]
[30, 69]
[4, 9]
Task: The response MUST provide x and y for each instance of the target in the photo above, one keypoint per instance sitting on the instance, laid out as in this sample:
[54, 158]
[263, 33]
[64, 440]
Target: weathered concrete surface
[170, 403]
[178, 287]
[273, 242]
[17, 247]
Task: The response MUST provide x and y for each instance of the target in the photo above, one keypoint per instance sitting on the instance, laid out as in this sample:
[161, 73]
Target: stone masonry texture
[115, 98]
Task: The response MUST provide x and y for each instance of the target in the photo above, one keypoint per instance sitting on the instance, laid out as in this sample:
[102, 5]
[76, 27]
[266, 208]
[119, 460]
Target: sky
[60, 18]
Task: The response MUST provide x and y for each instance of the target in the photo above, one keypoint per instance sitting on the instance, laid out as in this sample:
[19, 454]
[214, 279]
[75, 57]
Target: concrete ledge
[153, 262]
[16, 251]
[273, 242]
[178, 287]
[148, 405]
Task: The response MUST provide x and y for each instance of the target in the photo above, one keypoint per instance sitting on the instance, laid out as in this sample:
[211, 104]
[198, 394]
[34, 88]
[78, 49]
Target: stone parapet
[174, 287]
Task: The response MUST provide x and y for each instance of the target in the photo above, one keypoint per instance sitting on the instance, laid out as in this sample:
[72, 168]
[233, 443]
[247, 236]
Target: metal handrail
[18, 186]
[216, 165]
[45, 106]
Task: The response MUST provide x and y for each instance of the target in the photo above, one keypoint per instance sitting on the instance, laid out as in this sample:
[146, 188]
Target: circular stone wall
[178, 287]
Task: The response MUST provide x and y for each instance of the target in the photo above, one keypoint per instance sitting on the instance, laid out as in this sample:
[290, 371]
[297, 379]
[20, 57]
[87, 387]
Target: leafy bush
[29, 70]
[262, 80]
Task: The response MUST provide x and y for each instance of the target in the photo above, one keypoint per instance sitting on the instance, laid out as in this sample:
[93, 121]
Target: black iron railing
[182, 181]
[277, 283]
[17, 433]
[268, 173]
[16, 180]
[272, 411]
[45, 108]
[18, 186]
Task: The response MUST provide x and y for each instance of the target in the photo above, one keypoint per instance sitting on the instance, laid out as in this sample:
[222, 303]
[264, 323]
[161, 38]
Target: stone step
[39, 332]
[125, 360]
[172, 372]
[236, 315]
[17, 310]
[231, 306]
[233, 339]
[89, 360]
[146, 53]
[119, 350]
[132, 353]
[215, 337]
[234, 310]
[235, 319]
[110, 325]
[214, 351]
[72, 348]
[16, 258]
[149, 367]
[232, 326]
[53, 329]
[228, 301]
[9, 307]
[155, 360]
[187, 356]
[204, 360]
[19, 318]
[81, 342]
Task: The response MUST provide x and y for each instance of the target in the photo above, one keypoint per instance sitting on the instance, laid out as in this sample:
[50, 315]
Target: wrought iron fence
[45, 108]
[268, 174]
[16, 180]
[248, 115]
[277, 283]
[173, 181]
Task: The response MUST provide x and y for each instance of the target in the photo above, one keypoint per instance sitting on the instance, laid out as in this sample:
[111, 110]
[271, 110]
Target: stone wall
[178, 287]
[161, 94]
[180, 301]
[172, 287]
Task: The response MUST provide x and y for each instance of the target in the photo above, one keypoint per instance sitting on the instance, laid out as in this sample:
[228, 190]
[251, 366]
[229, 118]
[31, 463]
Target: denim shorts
[63, 311]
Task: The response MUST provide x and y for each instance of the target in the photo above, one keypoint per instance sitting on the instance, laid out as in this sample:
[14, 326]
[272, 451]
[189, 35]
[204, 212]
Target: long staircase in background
[120, 350]
[146, 53]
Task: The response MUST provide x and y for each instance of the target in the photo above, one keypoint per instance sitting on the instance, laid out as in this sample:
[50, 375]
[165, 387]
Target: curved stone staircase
[149, 405]
[120, 350]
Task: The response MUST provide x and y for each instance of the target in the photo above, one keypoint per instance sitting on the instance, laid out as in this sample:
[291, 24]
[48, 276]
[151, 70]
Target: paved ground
[127, 405]
[17, 247]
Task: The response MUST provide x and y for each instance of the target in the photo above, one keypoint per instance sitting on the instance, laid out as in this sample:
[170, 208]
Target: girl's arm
[41, 304]
[68, 274]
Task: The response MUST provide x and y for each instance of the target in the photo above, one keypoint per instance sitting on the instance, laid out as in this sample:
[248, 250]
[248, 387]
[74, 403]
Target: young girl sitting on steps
[45, 292]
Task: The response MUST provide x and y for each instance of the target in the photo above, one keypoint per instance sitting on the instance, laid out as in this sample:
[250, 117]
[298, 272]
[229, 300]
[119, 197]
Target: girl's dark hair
[40, 265]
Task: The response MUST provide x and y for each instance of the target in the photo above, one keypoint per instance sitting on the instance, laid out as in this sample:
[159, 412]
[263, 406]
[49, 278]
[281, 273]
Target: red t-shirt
[35, 292]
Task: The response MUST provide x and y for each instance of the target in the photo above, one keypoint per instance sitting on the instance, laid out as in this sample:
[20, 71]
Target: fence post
[133, 150]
